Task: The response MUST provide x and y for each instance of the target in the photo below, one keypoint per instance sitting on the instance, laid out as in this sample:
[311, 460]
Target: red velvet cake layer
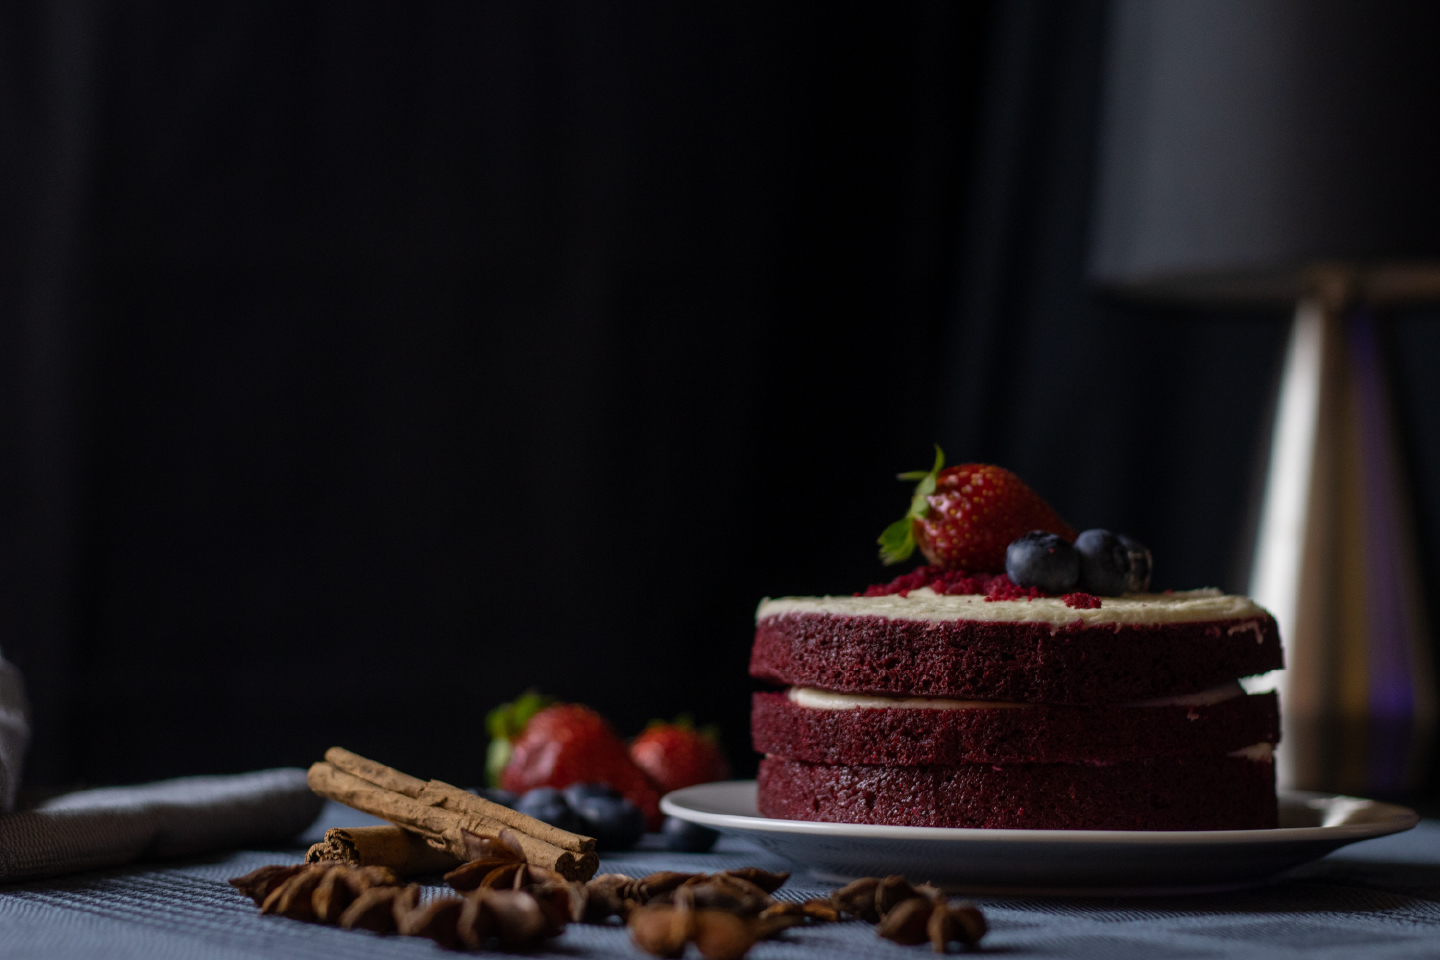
[1176, 793]
[1038, 734]
[1006, 660]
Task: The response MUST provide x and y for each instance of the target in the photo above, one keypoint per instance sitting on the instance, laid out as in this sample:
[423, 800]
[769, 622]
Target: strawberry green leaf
[504, 724]
[508, 719]
[497, 755]
[897, 543]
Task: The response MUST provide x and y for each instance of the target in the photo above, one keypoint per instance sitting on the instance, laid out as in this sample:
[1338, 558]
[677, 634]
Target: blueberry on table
[549, 805]
[682, 836]
[577, 792]
[1043, 560]
[614, 822]
[1141, 564]
[1106, 564]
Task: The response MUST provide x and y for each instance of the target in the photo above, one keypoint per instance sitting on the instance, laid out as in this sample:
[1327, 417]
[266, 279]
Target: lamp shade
[1289, 151]
[1245, 141]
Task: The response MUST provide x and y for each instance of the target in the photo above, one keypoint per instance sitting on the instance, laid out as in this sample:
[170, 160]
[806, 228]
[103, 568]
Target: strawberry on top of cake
[1024, 677]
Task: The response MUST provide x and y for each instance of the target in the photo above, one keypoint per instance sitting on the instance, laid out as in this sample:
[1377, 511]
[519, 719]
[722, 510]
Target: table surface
[1378, 899]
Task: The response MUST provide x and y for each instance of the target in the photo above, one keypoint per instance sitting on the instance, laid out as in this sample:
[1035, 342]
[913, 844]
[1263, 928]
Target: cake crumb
[1081, 601]
[950, 583]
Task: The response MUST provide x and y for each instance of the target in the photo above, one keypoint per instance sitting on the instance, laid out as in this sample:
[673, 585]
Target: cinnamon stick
[376, 773]
[442, 828]
[402, 851]
[437, 793]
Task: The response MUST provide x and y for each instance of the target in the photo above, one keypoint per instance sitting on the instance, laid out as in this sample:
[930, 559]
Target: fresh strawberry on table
[676, 755]
[505, 723]
[964, 517]
[566, 743]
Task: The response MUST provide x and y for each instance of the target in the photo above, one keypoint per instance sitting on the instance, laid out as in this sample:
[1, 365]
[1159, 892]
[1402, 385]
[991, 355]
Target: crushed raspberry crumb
[993, 586]
[1081, 601]
[1002, 588]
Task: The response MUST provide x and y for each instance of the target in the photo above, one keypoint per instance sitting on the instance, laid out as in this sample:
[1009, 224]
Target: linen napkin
[90, 829]
[14, 732]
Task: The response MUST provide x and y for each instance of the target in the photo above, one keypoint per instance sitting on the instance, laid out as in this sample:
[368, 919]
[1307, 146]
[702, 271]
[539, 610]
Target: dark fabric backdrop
[366, 363]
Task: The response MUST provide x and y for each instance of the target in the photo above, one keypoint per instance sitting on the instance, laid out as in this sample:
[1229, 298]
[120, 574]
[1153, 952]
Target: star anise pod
[764, 879]
[436, 919]
[962, 922]
[857, 899]
[257, 884]
[505, 845]
[375, 909]
[662, 930]
[891, 892]
[339, 887]
[493, 862]
[567, 897]
[821, 911]
[292, 898]
[611, 895]
[721, 935]
[656, 884]
[929, 916]
[907, 922]
[521, 921]
[723, 891]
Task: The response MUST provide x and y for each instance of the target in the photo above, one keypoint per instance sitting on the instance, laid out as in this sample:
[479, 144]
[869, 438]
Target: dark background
[364, 364]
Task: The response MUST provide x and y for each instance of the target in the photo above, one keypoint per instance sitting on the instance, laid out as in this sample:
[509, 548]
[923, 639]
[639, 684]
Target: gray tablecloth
[1379, 899]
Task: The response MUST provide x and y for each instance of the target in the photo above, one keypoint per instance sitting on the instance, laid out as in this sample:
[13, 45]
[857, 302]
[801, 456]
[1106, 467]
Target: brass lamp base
[1335, 562]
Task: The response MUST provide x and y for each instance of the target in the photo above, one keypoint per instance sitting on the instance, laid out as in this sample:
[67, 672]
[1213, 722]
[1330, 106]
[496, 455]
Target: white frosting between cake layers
[1204, 698]
[817, 699]
[1259, 752]
[1190, 606]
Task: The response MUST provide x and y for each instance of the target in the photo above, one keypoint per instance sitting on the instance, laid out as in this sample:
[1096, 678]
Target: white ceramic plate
[1049, 861]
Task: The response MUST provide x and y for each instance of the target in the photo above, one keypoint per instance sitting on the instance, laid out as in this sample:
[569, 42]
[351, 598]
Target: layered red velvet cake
[1001, 709]
[1025, 677]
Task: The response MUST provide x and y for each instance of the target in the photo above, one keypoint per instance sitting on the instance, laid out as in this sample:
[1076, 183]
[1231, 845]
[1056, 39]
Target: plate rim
[1392, 819]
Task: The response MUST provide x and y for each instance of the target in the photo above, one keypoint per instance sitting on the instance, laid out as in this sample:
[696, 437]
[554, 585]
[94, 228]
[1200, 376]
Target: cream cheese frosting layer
[1204, 698]
[1190, 606]
[817, 699]
[1258, 752]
